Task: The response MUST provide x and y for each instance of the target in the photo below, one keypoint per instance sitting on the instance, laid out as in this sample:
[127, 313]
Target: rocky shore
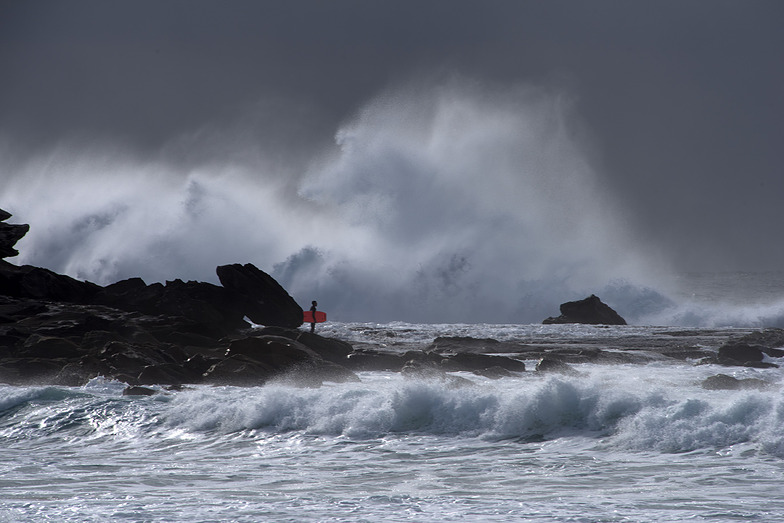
[58, 330]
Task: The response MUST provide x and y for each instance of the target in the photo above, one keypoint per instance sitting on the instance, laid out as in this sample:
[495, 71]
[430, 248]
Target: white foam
[638, 408]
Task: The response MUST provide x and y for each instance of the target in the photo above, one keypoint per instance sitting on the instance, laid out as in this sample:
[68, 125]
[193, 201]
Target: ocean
[612, 443]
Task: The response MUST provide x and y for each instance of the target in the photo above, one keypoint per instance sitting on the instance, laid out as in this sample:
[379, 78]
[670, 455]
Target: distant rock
[725, 382]
[9, 235]
[590, 311]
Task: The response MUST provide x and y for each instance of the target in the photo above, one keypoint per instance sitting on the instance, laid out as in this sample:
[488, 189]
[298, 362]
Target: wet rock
[725, 382]
[238, 370]
[167, 374]
[591, 311]
[138, 391]
[494, 373]
[551, 364]
[473, 362]
[330, 349]
[770, 341]
[73, 375]
[283, 358]
[369, 360]
[743, 354]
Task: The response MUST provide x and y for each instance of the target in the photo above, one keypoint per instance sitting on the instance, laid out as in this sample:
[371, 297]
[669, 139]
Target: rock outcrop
[54, 328]
[591, 311]
[9, 235]
[262, 298]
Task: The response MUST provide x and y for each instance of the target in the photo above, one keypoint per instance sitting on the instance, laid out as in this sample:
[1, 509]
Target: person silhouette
[313, 316]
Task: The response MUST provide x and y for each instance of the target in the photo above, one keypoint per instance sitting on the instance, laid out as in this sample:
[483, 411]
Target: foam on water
[615, 443]
[657, 407]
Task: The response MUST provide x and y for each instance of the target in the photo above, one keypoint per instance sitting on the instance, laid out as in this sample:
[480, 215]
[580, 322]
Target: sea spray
[440, 201]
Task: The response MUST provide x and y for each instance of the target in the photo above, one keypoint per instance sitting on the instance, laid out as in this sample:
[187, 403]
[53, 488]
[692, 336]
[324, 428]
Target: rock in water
[264, 301]
[9, 235]
[591, 310]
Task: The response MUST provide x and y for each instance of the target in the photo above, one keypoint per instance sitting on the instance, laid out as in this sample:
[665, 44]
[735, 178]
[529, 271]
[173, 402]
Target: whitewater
[612, 443]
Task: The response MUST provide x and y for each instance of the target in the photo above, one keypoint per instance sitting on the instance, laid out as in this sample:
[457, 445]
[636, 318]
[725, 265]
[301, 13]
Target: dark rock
[138, 391]
[591, 311]
[276, 351]
[25, 370]
[740, 353]
[770, 341]
[724, 382]
[330, 349]
[167, 374]
[27, 281]
[264, 301]
[283, 359]
[464, 344]
[212, 309]
[238, 370]
[73, 375]
[494, 373]
[550, 364]
[474, 362]
[199, 363]
[369, 360]
[745, 355]
[37, 346]
[9, 235]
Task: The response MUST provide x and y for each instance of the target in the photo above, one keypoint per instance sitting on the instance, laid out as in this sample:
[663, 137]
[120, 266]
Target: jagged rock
[264, 301]
[27, 281]
[591, 311]
[213, 308]
[9, 235]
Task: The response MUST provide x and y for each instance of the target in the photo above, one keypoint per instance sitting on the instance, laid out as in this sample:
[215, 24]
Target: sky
[671, 110]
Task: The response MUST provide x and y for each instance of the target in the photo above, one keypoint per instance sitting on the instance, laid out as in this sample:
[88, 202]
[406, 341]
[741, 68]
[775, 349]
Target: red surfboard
[321, 317]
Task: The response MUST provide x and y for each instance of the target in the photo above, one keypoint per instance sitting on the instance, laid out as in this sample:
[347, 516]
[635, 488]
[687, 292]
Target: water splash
[440, 201]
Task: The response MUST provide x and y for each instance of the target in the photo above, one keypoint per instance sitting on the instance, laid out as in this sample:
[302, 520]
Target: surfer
[313, 316]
